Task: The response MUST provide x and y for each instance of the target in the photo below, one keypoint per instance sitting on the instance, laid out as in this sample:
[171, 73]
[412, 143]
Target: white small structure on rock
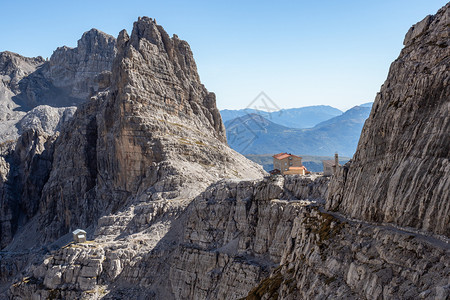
[331, 166]
[79, 236]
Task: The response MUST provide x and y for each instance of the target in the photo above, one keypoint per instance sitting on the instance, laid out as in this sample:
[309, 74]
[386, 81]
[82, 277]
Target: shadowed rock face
[24, 169]
[74, 69]
[67, 79]
[401, 172]
[27, 87]
[154, 134]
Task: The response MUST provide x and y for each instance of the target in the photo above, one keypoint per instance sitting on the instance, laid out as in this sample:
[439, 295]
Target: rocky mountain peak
[143, 168]
[432, 29]
[74, 69]
[400, 170]
[155, 134]
[13, 67]
[94, 40]
[67, 79]
[150, 53]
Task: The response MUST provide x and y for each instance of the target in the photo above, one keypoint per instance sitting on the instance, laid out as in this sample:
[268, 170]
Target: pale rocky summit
[67, 79]
[74, 69]
[401, 171]
[13, 68]
[46, 119]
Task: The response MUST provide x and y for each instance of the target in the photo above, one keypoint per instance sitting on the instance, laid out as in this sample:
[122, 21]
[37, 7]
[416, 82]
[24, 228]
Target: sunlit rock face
[154, 133]
[131, 160]
[400, 172]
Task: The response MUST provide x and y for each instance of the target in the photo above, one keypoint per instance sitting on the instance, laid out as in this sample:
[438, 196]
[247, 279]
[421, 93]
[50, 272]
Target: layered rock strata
[75, 69]
[135, 155]
[328, 256]
[399, 175]
[67, 79]
[155, 134]
[401, 171]
[220, 246]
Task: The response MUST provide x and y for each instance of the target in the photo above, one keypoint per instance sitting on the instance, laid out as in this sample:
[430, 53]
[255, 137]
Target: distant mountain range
[255, 134]
[303, 117]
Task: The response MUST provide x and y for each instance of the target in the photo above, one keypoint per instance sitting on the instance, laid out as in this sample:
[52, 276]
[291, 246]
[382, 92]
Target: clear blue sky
[299, 53]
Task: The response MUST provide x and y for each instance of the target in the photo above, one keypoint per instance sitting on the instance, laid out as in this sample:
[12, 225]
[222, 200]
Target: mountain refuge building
[79, 236]
[288, 164]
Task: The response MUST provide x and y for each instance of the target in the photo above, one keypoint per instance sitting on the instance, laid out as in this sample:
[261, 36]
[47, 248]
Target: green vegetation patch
[268, 287]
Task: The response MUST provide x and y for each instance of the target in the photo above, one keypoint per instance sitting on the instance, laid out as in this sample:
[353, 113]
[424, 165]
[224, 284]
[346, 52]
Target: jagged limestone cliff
[24, 171]
[399, 176]
[401, 171]
[133, 157]
[219, 246]
[68, 78]
[328, 256]
[154, 134]
[34, 94]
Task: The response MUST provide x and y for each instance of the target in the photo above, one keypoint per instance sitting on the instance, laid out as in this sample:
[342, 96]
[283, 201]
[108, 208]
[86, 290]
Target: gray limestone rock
[328, 256]
[74, 69]
[223, 242]
[400, 172]
[46, 119]
[24, 169]
[25, 84]
[13, 69]
[154, 134]
[144, 168]
[67, 79]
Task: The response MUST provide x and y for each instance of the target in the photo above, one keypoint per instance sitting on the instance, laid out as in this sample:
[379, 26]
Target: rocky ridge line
[67, 79]
[400, 172]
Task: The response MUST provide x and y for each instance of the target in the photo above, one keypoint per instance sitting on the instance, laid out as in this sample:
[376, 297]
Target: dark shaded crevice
[91, 152]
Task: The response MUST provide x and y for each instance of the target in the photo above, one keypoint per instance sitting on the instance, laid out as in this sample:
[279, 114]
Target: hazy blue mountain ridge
[303, 117]
[255, 134]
